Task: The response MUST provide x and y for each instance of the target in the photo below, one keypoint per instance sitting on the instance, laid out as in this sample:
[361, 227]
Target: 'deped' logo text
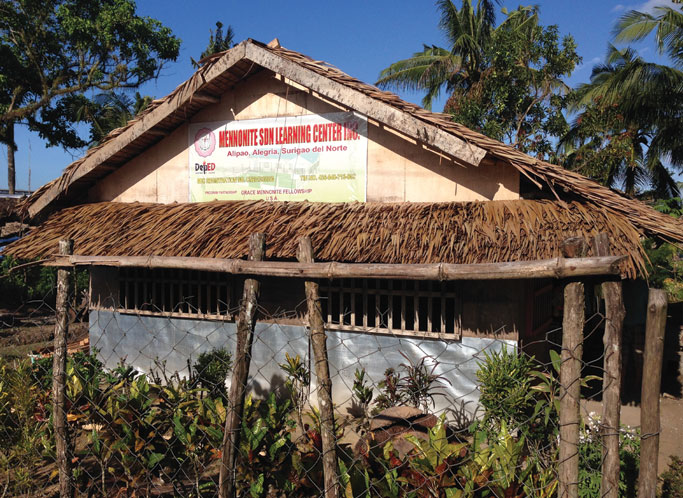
[204, 167]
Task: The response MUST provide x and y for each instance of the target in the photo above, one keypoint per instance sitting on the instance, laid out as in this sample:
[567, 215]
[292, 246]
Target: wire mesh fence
[149, 392]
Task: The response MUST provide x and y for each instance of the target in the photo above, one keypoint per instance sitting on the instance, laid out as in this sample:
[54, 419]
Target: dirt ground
[670, 416]
[32, 331]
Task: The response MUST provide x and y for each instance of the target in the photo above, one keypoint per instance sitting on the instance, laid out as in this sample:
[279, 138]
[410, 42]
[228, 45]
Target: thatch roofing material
[476, 232]
[556, 178]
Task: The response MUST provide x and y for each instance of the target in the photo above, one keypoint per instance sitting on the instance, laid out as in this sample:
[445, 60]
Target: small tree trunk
[649, 398]
[11, 170]
[611, 380]
[322, 372]
[246, 321]
[59, 375]
[570, 389]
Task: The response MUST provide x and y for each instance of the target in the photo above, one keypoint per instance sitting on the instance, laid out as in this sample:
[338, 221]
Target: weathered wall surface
[142, 340]
[398, 168]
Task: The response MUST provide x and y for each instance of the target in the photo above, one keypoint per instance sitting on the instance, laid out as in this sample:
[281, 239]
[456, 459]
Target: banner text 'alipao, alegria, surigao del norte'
[319, 158]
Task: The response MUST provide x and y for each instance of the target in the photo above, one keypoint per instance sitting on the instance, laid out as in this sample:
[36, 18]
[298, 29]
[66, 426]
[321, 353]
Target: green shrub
[505, 385]
[211, 371]
[672, 479]
[33, 283]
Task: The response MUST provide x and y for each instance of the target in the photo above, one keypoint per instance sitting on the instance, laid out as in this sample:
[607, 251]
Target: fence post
[322, 372]
[611, 380]
[649, 398]
[245, 332]
[59, 374]
[570, 388]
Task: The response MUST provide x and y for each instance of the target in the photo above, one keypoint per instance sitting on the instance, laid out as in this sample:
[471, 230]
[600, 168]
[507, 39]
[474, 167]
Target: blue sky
[359, 37]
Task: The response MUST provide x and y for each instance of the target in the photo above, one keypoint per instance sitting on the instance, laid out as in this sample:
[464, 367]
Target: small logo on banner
[204, 142]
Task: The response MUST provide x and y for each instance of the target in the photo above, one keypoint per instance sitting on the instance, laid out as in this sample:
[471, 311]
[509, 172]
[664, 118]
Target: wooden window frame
[400, 302]
[196, 294]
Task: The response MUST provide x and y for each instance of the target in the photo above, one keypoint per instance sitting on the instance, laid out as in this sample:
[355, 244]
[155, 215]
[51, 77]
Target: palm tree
[624, 131]
[468, 31]
[108, 111]
[667, 25]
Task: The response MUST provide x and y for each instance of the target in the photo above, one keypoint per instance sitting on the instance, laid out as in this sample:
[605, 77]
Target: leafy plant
[432, 464]
[419, 385]
[211, 371]
[297, 383]
[268, 458]
[390, 393]
[590, 460]
[362, 395]
[505, 389]
[416, 385]
[672, 479]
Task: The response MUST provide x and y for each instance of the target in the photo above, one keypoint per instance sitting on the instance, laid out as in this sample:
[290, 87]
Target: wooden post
[59, 375]
[649, 398]
[322, 372]
[238, 386]
[611, 378]
[570, 389]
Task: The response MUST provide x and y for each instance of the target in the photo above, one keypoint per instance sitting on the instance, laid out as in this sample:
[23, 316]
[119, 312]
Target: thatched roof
[474, 232]
[223, 70]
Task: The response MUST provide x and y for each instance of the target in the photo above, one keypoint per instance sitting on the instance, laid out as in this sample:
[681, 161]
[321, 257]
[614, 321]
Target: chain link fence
[149, 388]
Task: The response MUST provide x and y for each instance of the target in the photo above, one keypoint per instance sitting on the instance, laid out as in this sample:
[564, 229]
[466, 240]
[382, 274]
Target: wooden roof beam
[205, 98]
[382, 112]
[545, 268]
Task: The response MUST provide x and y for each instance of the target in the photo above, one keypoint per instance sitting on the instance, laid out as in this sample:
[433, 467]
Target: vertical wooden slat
[322, 372]
[341, 301]
[443, 307]
[378, 302]
[649, 399]
[430, 299]
[403, 305]
[570, 389]
[365, 303]
[352, 296]
[60, 425]
[329, 302]
[246, 322]
[390, 303]
[416, 305]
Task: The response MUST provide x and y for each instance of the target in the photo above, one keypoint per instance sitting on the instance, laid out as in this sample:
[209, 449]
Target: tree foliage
[218, 42]
[53, 51]
[468, 31]
[629, 130]
[520, 96]
[505, 80]
[107, 111]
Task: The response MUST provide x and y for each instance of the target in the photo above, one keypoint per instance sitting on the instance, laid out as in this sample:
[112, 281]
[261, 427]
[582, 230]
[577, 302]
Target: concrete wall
[140, 340]
[398, 168]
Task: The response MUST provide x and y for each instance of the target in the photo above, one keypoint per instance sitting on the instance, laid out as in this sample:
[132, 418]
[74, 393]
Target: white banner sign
[320, 158]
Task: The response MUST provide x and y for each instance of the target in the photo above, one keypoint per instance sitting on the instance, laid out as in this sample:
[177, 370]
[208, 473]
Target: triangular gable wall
[398, 167]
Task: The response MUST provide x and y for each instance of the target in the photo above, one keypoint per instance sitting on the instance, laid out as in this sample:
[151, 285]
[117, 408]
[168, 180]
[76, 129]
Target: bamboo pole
[611, 379]
[649, 398]
[59, 375]
[570, 389]
[545, 268]
[238, 386]
[322, 372]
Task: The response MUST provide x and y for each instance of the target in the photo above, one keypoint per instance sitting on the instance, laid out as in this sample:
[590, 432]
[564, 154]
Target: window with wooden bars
[180, 293]
[398, 307]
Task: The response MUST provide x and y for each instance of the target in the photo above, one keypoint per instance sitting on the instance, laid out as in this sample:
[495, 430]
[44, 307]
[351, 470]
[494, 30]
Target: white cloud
[650, 5]
[619, 7]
